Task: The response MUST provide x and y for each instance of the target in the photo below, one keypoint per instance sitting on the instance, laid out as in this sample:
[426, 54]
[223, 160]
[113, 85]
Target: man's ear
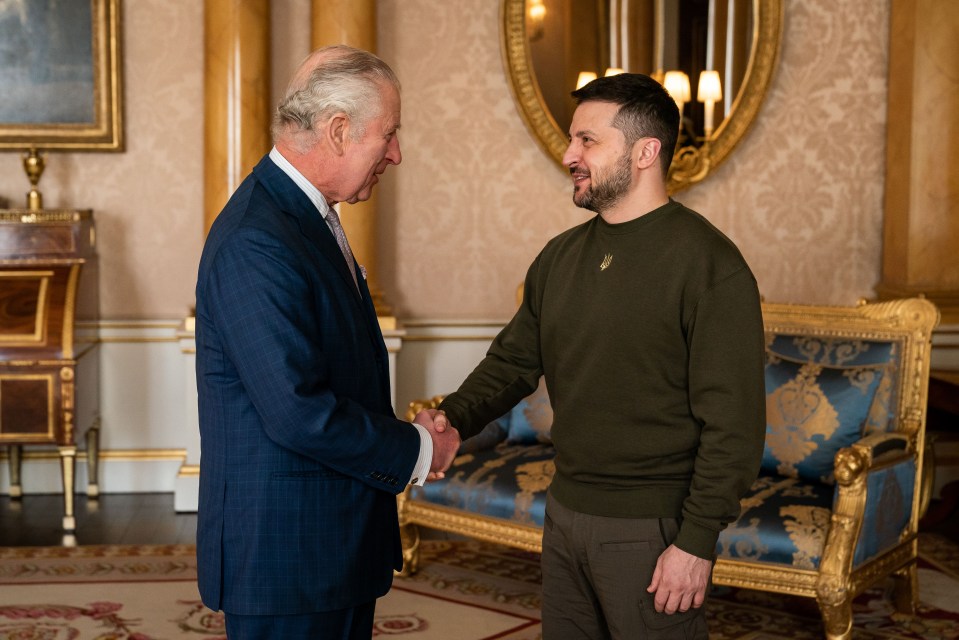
[338, 132]
[647, 152]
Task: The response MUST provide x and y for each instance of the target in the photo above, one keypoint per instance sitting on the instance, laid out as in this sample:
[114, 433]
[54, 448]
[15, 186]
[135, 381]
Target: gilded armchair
[847, 386]
[836, 507]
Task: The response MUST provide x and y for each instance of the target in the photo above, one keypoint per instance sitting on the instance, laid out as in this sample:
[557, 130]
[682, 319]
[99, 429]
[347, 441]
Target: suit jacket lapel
[292, 200]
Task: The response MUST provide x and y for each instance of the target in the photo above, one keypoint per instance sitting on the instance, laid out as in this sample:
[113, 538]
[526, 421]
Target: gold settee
[827, 534]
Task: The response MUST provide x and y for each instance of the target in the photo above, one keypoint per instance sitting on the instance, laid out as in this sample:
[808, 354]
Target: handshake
[446, 441]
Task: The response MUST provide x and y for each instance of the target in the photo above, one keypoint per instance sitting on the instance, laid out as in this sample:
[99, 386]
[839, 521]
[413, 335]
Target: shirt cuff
[425, 458]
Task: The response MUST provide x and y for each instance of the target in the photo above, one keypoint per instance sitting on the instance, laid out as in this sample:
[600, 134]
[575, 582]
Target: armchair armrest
[854, 462]
[861, 471]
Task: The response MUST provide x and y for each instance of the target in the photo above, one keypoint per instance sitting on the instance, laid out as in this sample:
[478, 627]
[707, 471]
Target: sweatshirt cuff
[697, 540]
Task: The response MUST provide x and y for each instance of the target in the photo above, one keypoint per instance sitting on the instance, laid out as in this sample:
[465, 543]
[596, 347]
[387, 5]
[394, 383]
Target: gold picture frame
[60, 69]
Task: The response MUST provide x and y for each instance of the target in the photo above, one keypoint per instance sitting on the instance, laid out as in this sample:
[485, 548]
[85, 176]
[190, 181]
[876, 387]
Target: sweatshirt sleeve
[727, 397]
[509, 372]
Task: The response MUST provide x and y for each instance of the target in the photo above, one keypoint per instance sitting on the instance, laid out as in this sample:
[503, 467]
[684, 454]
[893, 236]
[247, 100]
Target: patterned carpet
[465, 591]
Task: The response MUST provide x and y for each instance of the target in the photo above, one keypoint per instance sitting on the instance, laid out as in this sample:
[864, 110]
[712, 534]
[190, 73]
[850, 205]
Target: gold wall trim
[116, 455]
[447, 338]
[121, 324]
[441, 324]
[189, 471]
[133, 339]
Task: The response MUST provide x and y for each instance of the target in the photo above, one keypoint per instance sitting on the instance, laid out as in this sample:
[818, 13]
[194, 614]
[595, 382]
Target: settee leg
[837, 619]
[905, 589]
[410, 541]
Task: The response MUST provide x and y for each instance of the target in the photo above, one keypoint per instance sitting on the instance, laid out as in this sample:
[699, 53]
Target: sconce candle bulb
[709, 92]
[585, 77]
[677, 84]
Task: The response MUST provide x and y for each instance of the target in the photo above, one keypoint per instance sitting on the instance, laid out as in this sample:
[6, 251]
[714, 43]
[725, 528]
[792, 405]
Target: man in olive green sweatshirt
[646, 323]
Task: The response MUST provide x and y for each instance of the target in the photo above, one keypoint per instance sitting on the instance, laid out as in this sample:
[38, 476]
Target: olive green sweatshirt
[650, 336]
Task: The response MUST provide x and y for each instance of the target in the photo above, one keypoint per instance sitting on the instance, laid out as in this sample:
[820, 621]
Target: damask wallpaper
[475, 198]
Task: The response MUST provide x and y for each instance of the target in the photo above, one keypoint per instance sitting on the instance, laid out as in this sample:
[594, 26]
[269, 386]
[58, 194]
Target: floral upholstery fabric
[507, 482]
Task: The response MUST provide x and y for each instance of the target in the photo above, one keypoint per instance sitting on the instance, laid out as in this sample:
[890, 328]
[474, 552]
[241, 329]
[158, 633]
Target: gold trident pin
[606, 262]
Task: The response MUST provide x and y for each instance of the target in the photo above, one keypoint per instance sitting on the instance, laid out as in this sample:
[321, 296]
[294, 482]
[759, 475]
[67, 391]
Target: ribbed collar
[631, 226]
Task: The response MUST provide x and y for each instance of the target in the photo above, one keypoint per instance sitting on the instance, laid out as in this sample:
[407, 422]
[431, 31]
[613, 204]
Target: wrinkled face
[378, 147]
[597, 157]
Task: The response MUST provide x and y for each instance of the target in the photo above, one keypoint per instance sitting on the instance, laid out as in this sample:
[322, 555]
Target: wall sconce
[613, 71]
[536, 14]
[585, 77]
[710, 91]
[691, 160]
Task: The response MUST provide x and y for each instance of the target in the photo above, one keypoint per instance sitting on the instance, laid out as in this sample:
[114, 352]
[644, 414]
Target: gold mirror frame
[689, 164]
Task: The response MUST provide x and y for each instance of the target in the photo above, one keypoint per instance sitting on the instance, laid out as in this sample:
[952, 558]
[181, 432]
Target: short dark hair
[645, 109]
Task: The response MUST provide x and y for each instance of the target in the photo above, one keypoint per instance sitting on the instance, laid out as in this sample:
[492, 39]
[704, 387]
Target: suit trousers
[343, 624]
[595, 574]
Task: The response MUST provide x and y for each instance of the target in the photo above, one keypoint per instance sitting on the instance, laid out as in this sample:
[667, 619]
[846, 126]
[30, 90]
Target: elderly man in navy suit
[302, 455]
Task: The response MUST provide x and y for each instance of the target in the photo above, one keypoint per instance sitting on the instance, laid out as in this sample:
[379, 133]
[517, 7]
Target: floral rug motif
[466, 590]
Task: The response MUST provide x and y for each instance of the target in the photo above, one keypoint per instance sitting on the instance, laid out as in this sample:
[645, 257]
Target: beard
[603, 194]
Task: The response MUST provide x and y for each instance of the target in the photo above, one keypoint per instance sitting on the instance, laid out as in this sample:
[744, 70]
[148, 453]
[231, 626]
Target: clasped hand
[446, 441]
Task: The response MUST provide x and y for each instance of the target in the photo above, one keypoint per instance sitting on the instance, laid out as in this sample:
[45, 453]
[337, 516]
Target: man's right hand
[446, 441]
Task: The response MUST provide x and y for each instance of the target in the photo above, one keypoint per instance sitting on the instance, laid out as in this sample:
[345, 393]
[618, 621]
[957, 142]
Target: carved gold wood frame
[105, 132]
[767, 35]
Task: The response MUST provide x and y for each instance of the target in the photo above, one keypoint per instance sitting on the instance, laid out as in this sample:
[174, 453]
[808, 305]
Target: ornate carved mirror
[551, 45]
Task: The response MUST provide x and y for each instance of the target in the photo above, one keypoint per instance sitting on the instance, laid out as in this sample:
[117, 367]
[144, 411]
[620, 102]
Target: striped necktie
[334, 221]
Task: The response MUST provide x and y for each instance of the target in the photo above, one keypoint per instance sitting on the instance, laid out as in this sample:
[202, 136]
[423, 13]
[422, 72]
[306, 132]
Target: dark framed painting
[60, 75]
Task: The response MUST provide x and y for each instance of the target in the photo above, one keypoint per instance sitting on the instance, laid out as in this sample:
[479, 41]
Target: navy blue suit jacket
[301, 453]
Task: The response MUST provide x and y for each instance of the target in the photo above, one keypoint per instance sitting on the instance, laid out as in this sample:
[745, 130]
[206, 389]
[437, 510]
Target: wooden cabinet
[48, 293]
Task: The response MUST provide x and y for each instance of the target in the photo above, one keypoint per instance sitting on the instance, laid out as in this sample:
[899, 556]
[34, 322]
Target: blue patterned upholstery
[823, 394]
[507, 482]
[784, 521]
[530, 421]
[813, 411]
[888, 508]
[843, 352]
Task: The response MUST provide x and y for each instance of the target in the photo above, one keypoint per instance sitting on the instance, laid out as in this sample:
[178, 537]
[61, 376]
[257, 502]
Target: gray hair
[342, 80]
